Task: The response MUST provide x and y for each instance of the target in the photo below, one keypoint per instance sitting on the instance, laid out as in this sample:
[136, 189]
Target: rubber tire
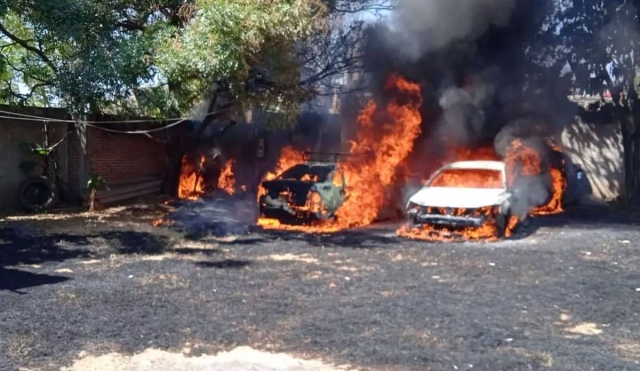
[52, 199]
[501, 223]
[411, 223]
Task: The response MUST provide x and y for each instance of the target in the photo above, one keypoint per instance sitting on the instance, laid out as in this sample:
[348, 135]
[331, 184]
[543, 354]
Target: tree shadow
[225, 264]
[192, 251]
[358, 238]
[586, 216]
[594, 141]
[132, 242]
[18, 248]
[15, 280]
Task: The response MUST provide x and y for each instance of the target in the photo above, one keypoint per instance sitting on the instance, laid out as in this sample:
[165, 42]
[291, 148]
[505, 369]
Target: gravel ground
[564, 295]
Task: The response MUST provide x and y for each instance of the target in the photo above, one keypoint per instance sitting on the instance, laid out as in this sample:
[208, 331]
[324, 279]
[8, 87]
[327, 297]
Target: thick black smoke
[475, 61]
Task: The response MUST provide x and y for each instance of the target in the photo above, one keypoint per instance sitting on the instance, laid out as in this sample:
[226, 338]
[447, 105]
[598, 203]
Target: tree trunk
[178, 146]
[85, 166]
[631, 147]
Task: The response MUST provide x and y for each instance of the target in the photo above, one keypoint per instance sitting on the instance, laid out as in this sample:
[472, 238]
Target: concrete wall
[12, 133]
[598, 149]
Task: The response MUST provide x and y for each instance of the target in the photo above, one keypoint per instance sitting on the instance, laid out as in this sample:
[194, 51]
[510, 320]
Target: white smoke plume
[420, 26]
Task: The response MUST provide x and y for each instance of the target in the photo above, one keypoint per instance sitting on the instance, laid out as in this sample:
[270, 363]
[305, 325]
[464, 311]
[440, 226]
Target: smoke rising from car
[420, 26]
[464, 118]
[214, 216]
[468, 57]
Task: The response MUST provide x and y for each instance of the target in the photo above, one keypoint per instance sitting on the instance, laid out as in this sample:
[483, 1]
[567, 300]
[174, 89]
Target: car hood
[458, 197]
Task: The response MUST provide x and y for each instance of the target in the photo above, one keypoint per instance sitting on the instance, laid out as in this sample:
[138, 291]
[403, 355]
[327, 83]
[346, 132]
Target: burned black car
[305, 192]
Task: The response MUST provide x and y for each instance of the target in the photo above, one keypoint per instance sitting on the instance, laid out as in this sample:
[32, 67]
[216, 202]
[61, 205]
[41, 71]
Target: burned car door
[328, 191]
[339, 186]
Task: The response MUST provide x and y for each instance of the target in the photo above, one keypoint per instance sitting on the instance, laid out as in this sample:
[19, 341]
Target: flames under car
[452, 217]
[463, 194]
[303, 193]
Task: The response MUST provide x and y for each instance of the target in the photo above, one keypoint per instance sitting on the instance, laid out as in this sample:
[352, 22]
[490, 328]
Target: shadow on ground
[18, 247]
[22, 246]
[353, 239]
[224, 264]
[15, 280]
[585, 216]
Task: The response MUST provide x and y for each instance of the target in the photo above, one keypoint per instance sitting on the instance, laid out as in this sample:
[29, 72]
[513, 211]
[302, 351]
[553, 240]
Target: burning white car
[463, 195]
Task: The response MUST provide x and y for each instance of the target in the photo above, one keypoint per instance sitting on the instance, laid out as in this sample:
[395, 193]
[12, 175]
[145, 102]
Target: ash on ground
[218, 215]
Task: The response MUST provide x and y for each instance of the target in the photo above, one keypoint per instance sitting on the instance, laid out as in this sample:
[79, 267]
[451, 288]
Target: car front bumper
[421, 217]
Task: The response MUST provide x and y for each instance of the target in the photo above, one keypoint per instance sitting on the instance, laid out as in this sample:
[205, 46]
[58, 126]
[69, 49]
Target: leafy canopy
[598, 39]
[234, 42]
[155, 57]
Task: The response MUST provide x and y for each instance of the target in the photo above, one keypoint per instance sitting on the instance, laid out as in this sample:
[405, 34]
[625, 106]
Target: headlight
[412, 208]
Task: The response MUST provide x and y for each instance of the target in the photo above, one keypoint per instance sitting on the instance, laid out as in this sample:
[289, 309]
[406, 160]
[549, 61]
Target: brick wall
[117, 157]
[123, 157]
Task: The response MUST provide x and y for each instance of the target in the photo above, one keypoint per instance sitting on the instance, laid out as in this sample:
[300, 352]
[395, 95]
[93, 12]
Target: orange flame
[289, 157]
[488, 231]
[521, 160]
[558, 184]
[227, 180]
[378, 152]
[191, 184]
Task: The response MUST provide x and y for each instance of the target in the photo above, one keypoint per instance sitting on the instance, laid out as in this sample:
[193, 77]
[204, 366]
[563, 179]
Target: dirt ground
[112, 292]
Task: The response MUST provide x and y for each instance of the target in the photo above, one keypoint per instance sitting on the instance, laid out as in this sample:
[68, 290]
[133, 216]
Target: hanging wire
[42, 118]
[25, 117]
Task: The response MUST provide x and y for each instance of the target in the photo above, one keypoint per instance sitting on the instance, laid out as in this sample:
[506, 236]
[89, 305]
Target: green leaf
[28, 147]
[95, 182]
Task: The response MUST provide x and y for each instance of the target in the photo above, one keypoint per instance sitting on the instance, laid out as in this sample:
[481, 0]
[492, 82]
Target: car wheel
[38, 194]
[501, 223]
[411, 223]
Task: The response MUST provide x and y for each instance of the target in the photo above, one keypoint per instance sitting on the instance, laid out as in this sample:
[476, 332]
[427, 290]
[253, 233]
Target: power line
[137, 131]
[42, 118]
[25, 117]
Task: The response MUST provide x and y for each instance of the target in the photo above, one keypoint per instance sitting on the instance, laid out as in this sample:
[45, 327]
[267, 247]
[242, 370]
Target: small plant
[95, 183]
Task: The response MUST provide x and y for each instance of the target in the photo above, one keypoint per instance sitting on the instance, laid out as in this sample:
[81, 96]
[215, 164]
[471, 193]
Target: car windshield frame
[437, 174]
[322, 172]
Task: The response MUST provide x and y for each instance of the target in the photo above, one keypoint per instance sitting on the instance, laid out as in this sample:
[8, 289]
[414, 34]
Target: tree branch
[26, 46]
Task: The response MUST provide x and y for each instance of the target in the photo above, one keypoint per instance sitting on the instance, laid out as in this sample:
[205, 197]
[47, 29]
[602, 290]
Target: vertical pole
[84, 166]
[45, 125]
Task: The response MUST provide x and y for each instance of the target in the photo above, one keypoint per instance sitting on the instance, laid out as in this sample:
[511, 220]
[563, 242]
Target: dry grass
[68, 297]
[169, 281]
[544, 359]
[304, 258]
[241, 358]
[586, 329]
[19, 346]
[628, 350]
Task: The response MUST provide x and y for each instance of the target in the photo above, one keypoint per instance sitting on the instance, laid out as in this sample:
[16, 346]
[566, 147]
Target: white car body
[454, 197]
[435, 205]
